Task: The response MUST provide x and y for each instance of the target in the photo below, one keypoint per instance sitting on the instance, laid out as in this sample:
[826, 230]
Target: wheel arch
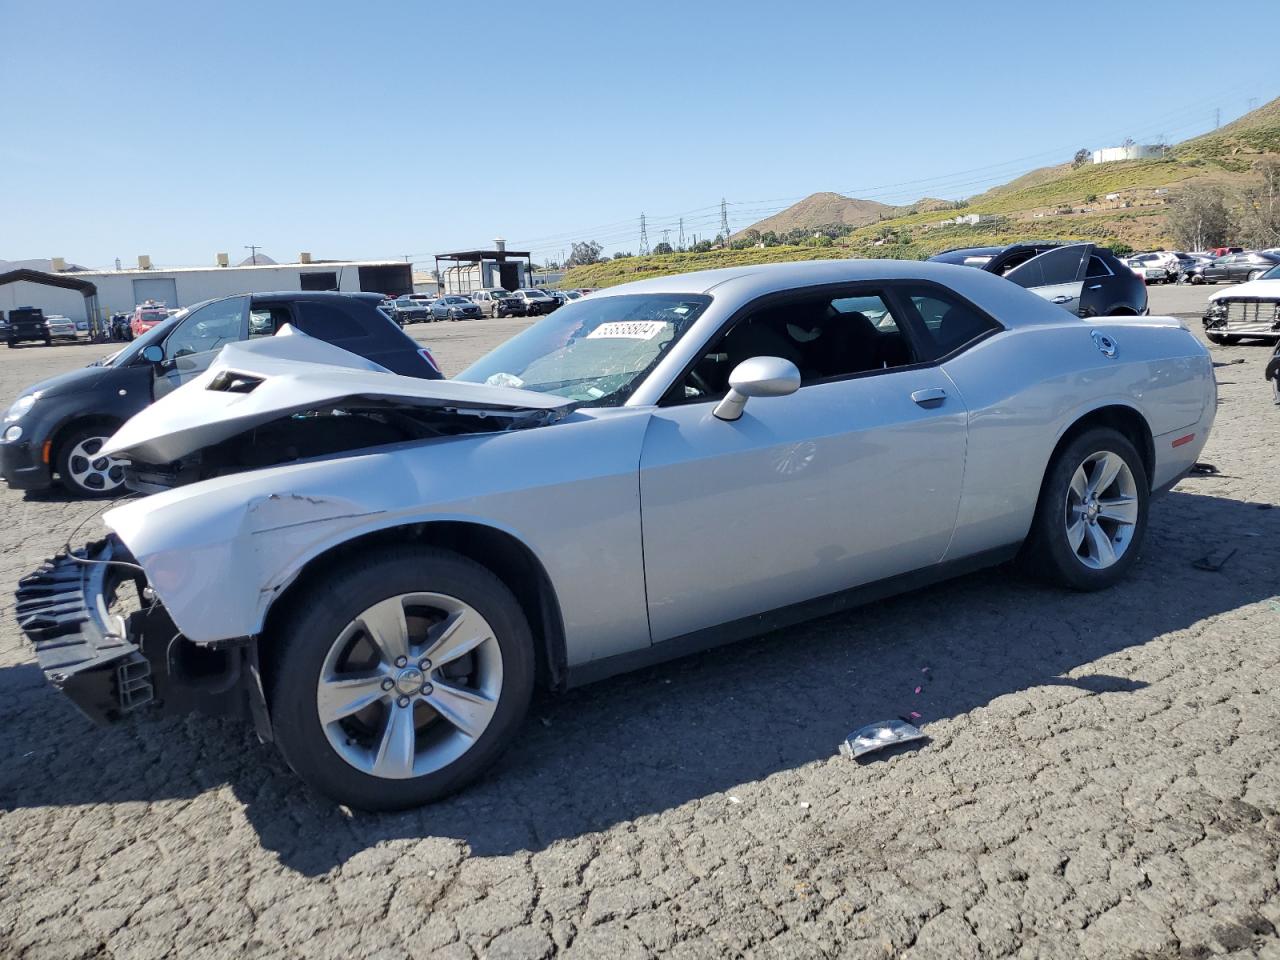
[499, 551]
[59, 434]
[1123, 418]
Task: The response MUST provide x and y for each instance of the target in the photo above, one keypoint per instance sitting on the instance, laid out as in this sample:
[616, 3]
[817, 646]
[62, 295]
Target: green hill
[1125, 202]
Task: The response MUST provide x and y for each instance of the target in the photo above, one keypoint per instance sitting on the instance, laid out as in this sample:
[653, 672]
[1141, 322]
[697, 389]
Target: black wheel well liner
[1119, 417]
[498, 551]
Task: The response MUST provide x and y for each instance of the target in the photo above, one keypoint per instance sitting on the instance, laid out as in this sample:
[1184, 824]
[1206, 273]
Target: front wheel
[83, 469]
[401, 678]
[1092, 513]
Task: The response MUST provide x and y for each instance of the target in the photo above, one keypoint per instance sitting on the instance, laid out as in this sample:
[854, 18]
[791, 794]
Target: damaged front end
[102, 637]
[357, 425]
[291, 397]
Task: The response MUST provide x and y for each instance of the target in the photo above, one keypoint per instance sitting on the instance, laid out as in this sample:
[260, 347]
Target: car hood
[250, 384]
[1262, 289]
[73, 380]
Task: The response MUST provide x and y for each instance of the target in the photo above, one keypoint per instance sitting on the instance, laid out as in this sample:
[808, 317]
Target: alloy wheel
[90, 471]
[409, 685]
[1101, 510]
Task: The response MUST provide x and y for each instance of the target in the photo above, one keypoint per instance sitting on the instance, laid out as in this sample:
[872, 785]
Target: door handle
[932, 397]
[1096, 286]
[1062, 299]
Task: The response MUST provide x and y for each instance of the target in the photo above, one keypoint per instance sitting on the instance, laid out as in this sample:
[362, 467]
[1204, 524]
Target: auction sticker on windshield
[629, 330]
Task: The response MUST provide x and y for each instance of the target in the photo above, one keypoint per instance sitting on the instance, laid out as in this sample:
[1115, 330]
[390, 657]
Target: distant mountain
[821, 210]
[1120, 203]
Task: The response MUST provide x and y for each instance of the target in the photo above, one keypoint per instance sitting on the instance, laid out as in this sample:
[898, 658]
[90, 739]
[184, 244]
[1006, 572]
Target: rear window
[1098, 268]
[328, 322]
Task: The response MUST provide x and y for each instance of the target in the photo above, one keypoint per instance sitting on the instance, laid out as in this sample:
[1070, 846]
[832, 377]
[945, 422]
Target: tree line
[1202, 216]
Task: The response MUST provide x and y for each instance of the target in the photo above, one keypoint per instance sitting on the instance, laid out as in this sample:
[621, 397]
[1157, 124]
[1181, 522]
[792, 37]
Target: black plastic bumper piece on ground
[62, 608]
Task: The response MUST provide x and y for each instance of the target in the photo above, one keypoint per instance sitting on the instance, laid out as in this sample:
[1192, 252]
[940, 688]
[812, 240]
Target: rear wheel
[1092, 514]
[83, 469]
[401, 679]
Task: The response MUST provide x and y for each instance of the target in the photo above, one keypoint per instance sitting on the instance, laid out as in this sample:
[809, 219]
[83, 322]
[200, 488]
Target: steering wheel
[700, 383]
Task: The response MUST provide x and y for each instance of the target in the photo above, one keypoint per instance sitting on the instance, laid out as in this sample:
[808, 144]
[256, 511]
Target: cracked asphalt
[1100, 778]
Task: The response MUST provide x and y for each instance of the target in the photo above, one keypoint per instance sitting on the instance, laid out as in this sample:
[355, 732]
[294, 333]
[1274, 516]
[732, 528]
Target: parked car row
[26, 324]
[1235, 265]
[492, 302]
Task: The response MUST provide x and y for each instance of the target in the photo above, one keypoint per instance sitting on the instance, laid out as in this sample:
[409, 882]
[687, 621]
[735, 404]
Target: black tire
[67, 444]
[48, 341]
[13, 344]
[1222, 339]
[1047, 553]
[325, 608]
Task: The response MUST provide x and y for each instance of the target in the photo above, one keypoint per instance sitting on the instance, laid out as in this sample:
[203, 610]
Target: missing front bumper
[111, 664]
[83, 649]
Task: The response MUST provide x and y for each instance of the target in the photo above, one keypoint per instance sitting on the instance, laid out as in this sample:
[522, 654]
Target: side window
[1061, 265]
[266, 320]
[1097, 268]
[949, 323]
[328, 322]
[206, 329]
[825, 337]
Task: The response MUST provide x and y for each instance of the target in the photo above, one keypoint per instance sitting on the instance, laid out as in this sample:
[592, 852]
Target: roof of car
[317, 295]
[1008, 301]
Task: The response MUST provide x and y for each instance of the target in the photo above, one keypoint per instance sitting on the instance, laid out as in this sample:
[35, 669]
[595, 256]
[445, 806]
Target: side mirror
[152, 353]
[757, 377]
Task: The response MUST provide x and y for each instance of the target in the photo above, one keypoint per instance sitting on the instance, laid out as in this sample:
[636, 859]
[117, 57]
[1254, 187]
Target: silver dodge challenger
[377, 570]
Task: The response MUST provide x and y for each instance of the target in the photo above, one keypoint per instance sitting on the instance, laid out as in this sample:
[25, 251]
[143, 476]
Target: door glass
[206, 329]
[949, 323]
[824, 337]
[1060, 265]
[265, 321]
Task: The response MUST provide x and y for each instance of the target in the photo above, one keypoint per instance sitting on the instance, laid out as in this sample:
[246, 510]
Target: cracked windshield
[596, 350]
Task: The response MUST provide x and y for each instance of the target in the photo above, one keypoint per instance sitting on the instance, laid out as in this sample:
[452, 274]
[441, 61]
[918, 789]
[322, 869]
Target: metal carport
[85, 288]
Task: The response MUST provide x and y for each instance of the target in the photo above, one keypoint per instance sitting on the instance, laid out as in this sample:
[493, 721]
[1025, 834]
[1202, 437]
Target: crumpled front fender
[216, 553]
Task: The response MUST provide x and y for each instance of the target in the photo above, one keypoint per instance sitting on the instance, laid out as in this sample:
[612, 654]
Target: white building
[119, 291]
[1129, 151]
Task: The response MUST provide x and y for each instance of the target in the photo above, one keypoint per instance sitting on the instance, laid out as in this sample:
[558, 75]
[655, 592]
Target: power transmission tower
[1217, 118]
[665, 234]
[724, 220]
[644, 238]
[1253, 103]
[682, 233]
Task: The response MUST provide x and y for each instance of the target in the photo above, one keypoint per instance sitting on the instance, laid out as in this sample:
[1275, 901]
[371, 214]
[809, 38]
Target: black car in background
[408, 310]
[1088, 280]
[57, 426]
[1239, 266]
[27, 324]
[455, 307]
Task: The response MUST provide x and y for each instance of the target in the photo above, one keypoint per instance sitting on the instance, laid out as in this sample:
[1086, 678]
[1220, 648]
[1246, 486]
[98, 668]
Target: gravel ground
[1100, 778]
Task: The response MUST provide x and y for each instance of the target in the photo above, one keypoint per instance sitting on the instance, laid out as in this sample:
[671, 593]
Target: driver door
[1057, 275]
[853, 478]
[193, 344]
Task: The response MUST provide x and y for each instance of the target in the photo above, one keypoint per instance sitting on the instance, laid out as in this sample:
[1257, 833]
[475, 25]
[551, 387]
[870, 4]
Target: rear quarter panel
[1026, 387]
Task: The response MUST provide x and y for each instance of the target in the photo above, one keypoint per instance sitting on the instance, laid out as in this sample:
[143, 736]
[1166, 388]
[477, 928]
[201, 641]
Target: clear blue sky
[381, 129]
